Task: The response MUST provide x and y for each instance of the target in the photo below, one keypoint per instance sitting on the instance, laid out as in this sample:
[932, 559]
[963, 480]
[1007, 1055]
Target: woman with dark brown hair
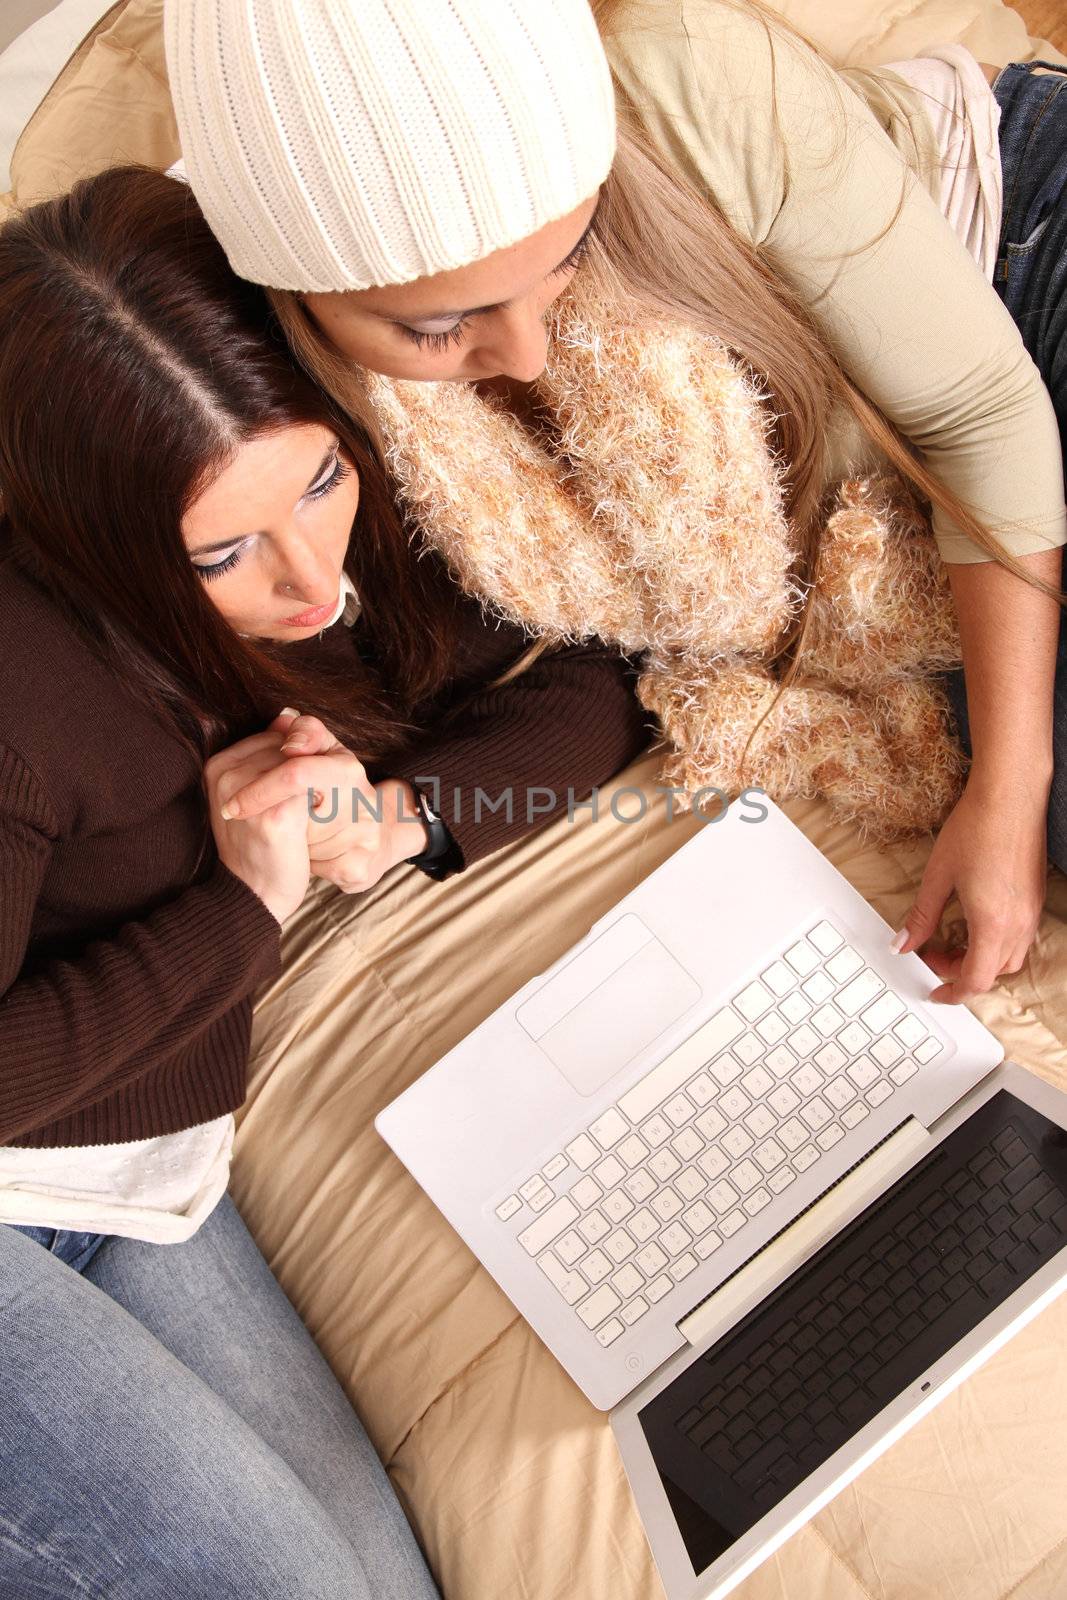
[194, 543]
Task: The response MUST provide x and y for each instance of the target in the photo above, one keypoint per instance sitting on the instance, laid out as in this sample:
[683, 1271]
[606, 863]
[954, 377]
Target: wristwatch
[442, 855]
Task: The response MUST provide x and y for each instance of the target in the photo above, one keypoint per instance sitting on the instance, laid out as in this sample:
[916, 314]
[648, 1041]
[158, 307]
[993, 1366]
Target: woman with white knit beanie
[416, 182]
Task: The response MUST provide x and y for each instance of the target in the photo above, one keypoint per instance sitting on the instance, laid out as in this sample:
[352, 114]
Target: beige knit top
[910, 315]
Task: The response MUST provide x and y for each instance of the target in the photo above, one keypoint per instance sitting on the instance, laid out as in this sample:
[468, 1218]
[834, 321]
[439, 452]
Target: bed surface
[511, 1478]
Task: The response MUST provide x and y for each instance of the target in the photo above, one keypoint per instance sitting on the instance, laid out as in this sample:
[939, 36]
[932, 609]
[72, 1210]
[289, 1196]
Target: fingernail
[899, 941]
[229, 811]
[288, 711]
[298, 741]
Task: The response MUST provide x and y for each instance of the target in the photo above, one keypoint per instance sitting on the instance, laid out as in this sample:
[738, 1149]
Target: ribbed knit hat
[339, 144]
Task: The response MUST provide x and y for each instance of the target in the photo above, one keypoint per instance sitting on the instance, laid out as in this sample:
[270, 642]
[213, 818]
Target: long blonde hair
[676, 255]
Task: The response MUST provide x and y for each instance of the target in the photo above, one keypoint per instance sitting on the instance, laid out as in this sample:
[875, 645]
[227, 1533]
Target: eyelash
[439, 342]
[218, 568]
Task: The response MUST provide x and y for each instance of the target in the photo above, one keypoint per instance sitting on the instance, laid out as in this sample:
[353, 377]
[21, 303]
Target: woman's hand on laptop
[992, 856]
[356, 830]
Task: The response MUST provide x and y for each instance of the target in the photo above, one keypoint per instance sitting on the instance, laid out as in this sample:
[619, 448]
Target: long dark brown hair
[132, 363]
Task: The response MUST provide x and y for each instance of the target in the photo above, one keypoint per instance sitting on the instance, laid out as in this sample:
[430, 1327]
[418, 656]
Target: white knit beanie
[339, 144]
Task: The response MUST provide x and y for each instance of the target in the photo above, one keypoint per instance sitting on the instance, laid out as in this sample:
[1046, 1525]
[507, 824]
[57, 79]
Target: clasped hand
[270, 834]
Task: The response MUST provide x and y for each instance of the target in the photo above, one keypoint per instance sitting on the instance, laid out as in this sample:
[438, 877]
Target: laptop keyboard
[846, 1334]
[698, 1147]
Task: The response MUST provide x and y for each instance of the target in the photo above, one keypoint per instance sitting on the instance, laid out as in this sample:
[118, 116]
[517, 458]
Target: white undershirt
[160, 1189]
[965, 117]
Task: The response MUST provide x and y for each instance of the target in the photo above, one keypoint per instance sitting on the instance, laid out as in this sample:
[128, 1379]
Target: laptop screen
[767, 1405]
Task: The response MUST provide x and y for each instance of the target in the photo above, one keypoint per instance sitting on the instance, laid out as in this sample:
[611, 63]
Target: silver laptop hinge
[798, 1242]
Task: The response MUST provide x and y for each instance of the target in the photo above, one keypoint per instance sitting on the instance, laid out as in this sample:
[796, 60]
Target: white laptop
[760, 1198]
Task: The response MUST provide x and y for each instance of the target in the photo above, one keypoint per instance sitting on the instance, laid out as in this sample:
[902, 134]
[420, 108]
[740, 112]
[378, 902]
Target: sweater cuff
[249, 932]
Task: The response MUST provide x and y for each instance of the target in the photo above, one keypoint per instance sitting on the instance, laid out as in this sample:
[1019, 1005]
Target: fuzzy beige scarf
[650, 513]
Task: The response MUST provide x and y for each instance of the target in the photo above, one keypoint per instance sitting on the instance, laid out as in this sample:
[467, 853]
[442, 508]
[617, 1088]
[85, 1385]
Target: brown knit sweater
[127, 969]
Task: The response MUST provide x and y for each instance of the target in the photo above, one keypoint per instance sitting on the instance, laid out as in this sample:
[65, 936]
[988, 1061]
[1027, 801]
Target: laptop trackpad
[608, 1004]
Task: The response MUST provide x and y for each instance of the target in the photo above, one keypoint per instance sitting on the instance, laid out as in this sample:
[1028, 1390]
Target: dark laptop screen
[753, 1416]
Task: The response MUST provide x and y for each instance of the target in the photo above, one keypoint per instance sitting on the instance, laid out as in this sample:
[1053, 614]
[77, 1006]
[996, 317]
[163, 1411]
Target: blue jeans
[1031, 279]
[170, 1431]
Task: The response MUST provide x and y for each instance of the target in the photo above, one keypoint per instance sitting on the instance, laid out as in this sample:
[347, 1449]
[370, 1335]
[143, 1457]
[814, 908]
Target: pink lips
[311, 619]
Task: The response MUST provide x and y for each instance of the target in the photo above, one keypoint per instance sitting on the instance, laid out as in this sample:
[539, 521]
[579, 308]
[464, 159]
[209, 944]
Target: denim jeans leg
[215, 1304]
[124, 1474]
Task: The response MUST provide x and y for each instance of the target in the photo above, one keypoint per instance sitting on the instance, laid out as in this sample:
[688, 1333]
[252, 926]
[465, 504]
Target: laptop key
[675, 1239]
[781, 1061]
[548, 1226]
[666, 1204]
[802, 957]
[658, 1288]
[805, 1158]
[759, 1121]
[863, 1072]
[627, 1281]
[570, 1248]
[713, 1163]
[634, 1311]
[651, 1260]
[664, 1164]
[683, 1266]
[571, 1285]
[617, 1206]
[818, 988]
[542, 1198]
[729, 1225]
[707, 1244]
[825, 938]
[927, 1051]
[794, 1008]
[757, 1082]
[725, 1070]
[779, 979]
[793, 1134]
[886, 1051]
[639, 1185]
[609, 1172]
[906, 1070]
[507, 1208]
[784, 1100]
[698, 1219]
[745, 1176]
[753, 1001]
[642, 1225]
[631, 1152]
[859, 993]
[885, 1011]
[879, 1094]
[593, 1228]
[701, 1091]
[854, 1115]
[781, 1179]
[610, 1332]
[844, 965]
[687, 1145]
[710, 1123]
[747, 1049]
[772, 1027]
[583, 1152]
[690, 1184]
[609, 1128]
[586, 1193]
[619, 1245]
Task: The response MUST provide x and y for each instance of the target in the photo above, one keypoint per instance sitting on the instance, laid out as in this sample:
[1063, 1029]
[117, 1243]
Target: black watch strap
[442, 855]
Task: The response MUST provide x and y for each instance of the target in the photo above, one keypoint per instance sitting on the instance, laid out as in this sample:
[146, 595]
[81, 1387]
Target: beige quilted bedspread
[511, 1478]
